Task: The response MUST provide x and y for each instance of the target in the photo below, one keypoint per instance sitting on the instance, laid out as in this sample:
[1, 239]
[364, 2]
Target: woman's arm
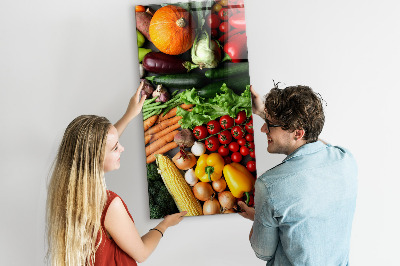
[122, 229]
[134, 107]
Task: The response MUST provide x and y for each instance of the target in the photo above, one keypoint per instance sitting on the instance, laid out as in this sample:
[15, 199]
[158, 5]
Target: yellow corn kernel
[177, 186]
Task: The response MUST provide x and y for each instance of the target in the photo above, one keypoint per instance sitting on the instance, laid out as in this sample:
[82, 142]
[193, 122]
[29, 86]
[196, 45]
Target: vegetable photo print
[197, 116]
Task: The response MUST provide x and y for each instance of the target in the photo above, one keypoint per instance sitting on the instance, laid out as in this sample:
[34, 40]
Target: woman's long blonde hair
[77, 193]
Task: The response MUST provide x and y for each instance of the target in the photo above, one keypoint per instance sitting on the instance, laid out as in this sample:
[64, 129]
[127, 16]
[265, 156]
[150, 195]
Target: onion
[211, 206]
[219, 185]
[226, 199]
[184, 160]
[203, 191]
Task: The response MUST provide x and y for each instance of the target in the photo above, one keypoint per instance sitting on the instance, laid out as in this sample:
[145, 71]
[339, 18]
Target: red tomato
[200, 132]
[226, 121]
[213, 127]
[251, 166]
[214, 33]
[225, 137]
[241, 141]
[237, 132]
[249, 127]
[252, 153]
[212, 143]
[233, 146]
[224, 27]
[249, 137]
[244, 151]
[212, 21]
[240, 117]
[223, 151]
[236, 157]
[227, 160]
[224, 13]
[250, 145]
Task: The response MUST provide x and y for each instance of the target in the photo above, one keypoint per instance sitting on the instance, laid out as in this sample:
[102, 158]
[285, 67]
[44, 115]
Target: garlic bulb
[190, 177]
[198, 148]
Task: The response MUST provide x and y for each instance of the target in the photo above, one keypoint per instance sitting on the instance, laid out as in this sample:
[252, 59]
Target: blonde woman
[86, 223]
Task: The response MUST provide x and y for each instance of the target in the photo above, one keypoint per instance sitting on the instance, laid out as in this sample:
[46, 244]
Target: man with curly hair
[304, 206]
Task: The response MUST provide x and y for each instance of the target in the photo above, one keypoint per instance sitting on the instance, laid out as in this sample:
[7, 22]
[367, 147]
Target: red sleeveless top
[109, 253]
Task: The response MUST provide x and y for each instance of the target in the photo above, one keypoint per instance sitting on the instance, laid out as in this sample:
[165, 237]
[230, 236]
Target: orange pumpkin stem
[181, 22]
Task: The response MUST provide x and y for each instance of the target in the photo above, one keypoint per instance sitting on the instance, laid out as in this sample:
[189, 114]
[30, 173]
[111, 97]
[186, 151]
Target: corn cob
[177, 186]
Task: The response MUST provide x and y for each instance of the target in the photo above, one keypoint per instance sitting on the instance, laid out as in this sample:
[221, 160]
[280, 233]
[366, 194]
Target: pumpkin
[172, 30]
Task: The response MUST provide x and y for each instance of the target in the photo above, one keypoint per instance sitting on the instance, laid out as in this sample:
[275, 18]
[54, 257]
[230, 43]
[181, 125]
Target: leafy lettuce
[225, 103]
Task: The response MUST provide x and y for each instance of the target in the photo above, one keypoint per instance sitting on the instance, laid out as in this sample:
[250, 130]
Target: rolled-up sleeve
[264, 239]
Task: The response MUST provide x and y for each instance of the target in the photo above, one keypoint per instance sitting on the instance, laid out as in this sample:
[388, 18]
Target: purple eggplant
[161, 63]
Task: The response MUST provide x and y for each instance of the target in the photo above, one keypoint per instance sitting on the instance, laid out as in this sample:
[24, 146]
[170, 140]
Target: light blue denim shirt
[305, 206]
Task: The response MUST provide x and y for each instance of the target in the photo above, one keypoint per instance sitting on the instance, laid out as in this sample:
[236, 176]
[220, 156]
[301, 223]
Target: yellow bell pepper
[209, 167]
[238, 179]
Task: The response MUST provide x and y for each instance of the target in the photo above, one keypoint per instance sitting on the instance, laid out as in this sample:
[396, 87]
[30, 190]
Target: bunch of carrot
[160, 132]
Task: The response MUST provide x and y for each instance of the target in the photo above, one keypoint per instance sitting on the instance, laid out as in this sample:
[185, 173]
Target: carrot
[162, 125]
[172, 112]
[156, 145]
[147, 139]
[149, 122]
[162, 133]
[151, 158]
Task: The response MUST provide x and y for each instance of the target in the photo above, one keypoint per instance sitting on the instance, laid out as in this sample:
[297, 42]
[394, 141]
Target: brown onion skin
[184, 163]
[226, 199]
[228, 211]
[211, 206]
[219, 185]
[203, 191]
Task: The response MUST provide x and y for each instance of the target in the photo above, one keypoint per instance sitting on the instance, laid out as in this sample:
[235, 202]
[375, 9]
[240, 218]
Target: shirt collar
[306, 149]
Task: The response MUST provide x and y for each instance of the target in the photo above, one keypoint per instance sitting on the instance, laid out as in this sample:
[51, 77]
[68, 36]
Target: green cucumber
[228, 70]
[237, 84]
[180, 81]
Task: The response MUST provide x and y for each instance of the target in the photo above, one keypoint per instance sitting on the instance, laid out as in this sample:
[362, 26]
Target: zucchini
[237, 84]
[230, 70]
[180, 81]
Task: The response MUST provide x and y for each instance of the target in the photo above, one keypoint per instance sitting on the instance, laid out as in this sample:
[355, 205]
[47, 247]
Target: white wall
[59, 59]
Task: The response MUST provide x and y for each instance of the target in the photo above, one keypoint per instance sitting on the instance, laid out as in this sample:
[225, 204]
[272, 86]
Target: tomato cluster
[231, 137]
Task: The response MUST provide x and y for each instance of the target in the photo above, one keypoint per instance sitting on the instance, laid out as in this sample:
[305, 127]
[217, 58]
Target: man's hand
[247, 212]
[257, 103]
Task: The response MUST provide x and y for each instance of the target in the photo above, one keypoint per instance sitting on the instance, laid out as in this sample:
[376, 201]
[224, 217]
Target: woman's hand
[134, 107]
[174, 219]
[257, 103]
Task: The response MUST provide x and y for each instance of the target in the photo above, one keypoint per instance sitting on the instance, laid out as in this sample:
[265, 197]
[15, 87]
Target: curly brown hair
[297, 107]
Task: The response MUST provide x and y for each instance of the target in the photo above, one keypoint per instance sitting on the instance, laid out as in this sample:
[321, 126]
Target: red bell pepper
[236, 47]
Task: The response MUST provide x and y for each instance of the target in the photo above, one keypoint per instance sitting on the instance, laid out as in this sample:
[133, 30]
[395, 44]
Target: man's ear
[299, 134]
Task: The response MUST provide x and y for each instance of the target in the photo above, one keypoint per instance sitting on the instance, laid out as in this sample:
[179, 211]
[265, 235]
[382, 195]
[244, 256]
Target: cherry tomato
[224, 13]
[200, 132]
[140, 8]
[212, 21]
[225, 137]
[226, 121]
[251, 166]
[237, 132]
[227, 160]
[214, 33]
[244, 151]
[223, 151]
[249, 127]
[212, 143]
[233, 146]
[236, 157]
[242, 141]
[250, 145]
[240, 117]
[224, 27]
[213, 127]
[216, 8]
[249, 137]
[252, 153]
